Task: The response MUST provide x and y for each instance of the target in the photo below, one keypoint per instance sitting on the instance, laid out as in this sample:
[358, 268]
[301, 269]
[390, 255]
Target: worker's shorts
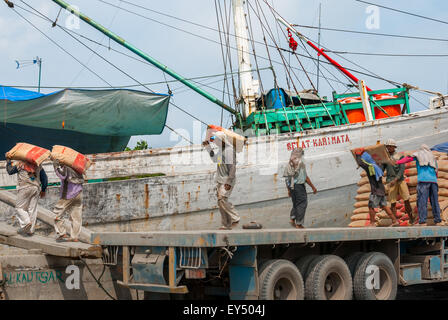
[377, 201]
[400, 188]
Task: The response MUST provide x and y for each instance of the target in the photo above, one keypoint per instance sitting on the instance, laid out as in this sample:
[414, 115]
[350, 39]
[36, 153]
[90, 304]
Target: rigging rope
[373, 33]
[404, 12]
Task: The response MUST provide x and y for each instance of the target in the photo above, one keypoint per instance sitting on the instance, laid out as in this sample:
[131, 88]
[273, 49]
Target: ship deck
[245, 237]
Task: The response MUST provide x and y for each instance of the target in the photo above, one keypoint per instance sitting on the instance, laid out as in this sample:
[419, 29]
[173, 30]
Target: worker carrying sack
[71, 158]
[28, 153]
[378, 152]
[228, 137]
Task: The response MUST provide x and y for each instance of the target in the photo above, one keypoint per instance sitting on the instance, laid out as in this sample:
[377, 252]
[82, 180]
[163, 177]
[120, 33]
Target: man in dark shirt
[395, 181]
[31, 183]
[377, 197]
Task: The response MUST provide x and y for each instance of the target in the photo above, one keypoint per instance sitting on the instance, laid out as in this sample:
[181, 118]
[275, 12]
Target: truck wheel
[280, 280]
[304, 263]
[387, 286]
[329, 279]
[352, 261]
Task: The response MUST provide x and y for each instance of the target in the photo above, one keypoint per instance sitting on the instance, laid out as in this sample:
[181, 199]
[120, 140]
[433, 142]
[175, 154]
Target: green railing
[325, 114]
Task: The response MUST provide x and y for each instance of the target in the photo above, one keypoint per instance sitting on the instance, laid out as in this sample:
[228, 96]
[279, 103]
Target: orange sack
[70, 158]
[29, 153]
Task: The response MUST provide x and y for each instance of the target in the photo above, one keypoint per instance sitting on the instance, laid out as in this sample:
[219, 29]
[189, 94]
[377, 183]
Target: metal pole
[318, 44]
[145, 56]
[39, 61]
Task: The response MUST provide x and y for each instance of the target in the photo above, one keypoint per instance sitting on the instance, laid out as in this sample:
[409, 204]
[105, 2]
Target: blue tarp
[443, 147]
[14, 94]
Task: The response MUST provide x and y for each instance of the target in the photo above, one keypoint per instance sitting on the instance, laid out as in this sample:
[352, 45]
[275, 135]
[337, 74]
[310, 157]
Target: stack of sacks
[360, 217]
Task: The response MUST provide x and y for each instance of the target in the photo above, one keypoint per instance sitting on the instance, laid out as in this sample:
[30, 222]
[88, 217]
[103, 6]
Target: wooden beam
[43, 214]
[172, 267]
[48, 245]
[126, 264]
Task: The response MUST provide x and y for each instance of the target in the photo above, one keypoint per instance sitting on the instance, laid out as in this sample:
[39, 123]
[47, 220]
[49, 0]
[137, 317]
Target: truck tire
[387, 278]
[329, 279]
[352, 261]
[304, 263]
[280, 280]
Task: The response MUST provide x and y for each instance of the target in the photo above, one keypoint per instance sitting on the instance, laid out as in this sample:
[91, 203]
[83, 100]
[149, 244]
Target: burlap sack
[443, 192]
[410, 165]
[384, 222]
[359, 223]
[231, 137]
[410, 172]
[411, 181]
[29, 153]
[442, 175]
[362, 196]
[364, 189]
[443, 184]
[382, 215]
[364, 180]
[71, 158]
[361, 204]
[443, 165]
[360, 216]
[361, 210]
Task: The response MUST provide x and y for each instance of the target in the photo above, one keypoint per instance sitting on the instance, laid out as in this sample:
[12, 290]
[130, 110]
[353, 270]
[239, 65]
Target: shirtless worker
[225, 179]
[377, 198]
[32, 183]
[395, 181]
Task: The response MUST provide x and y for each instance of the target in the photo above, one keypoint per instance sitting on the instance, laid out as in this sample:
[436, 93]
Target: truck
[279, 264]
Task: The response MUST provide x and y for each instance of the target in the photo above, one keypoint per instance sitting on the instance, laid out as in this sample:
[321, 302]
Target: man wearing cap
[395, 181]
[225, 178]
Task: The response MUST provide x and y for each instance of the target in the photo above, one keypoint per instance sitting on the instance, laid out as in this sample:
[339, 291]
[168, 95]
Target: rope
[60, 47]
[197, 35]
[404, 12]
[373, 33]
[97, 280]
[172, 103]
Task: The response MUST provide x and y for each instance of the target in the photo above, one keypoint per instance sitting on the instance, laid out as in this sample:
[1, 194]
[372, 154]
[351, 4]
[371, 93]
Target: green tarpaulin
[98, 112]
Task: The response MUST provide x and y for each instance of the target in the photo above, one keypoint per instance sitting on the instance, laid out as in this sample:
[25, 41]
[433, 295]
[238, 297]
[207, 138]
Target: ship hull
[185, 197]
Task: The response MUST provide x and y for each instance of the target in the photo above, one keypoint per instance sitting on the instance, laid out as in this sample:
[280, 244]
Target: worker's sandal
[63, 238]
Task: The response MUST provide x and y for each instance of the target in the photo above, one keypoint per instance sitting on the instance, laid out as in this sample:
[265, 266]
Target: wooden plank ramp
[9, 236]
[43, 214]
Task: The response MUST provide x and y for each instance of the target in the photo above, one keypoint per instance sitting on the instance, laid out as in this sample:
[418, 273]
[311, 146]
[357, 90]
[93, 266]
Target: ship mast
[148, 58]
[248, 86]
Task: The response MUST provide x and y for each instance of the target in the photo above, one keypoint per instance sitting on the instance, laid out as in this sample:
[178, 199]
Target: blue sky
[192, 56]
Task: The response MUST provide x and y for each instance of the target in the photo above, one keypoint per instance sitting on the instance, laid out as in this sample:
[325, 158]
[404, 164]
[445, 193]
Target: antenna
[26, 63]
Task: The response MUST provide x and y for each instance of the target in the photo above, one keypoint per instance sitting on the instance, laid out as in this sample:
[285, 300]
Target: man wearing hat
[395, 181]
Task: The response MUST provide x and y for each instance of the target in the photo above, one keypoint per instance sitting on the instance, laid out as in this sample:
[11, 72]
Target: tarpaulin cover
[443, 147]
[113, 112]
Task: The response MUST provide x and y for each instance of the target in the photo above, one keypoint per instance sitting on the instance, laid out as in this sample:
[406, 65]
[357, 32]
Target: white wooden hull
[186, 197]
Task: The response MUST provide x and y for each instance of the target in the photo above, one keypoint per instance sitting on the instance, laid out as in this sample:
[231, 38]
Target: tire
[352, 261]
[280, 280]
[387, 277]
[304, 263]
[329, 279]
